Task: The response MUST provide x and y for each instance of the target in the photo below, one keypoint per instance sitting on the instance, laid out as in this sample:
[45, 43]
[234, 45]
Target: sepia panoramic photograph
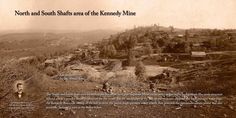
[117, 59]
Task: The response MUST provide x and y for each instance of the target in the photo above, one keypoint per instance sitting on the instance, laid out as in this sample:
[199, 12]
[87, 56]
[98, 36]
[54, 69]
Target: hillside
[38, 43]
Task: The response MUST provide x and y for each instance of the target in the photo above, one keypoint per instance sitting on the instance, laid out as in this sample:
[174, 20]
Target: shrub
[50, 71]
[140, 71]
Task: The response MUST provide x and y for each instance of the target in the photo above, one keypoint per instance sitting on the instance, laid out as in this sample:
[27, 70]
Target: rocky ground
[217, 77]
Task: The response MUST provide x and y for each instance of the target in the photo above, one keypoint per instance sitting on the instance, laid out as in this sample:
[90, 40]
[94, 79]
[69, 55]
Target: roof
[198, 54]
[197, 44]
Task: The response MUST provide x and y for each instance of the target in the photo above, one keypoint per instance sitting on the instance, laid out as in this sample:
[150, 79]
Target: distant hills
[42, 39]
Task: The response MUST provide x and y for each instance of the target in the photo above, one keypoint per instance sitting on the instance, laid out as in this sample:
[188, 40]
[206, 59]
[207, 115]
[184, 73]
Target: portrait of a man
[19, 90]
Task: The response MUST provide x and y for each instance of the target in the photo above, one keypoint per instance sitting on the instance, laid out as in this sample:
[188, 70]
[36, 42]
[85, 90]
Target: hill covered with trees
[158, 39]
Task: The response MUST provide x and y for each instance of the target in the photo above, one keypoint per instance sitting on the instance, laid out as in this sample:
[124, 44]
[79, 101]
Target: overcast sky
[179, 13]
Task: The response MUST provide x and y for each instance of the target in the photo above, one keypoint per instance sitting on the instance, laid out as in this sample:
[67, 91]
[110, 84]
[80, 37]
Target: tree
[109, 50]
[132, 41]
[130, 58]
[129, 41]
[112, 50]
[158, 49]
[148, 49]
[171, 29]
[140, 71]
[186, 36]
[187, 48]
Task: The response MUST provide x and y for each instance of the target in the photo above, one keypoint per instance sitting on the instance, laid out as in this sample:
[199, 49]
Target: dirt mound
[87, 71]
[50, 71]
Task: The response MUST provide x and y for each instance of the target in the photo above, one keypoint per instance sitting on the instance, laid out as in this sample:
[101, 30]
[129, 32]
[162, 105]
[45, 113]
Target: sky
[178, 13]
